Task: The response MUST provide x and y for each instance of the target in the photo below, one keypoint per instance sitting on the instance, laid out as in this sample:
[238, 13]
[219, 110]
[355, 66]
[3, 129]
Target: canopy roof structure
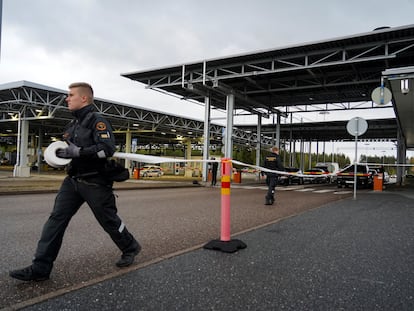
[46, 110]
[335, 74]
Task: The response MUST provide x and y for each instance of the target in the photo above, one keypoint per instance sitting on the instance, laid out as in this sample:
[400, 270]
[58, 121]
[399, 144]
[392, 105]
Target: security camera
[405, 91]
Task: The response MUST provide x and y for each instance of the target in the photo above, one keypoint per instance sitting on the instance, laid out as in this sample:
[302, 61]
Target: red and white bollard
[225, 244]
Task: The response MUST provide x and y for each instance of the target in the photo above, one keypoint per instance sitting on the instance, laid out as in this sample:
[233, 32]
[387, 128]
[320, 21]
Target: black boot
[268, 202]
[128, 256]
[28, 274]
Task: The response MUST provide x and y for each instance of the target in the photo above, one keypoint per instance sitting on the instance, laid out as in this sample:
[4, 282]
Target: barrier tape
[54, 161]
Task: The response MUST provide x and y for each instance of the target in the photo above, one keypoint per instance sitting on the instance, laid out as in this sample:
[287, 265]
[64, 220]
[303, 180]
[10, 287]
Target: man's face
[75, 99]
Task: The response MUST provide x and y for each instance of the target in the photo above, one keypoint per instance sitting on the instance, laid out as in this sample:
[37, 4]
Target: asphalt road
[345, 255]
[167, 222]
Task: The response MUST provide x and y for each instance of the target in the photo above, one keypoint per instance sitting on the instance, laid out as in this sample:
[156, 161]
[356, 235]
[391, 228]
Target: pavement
[51, 181]
[344, 255]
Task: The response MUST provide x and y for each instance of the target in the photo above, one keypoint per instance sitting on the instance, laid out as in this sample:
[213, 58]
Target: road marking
[324, 191]
[294, 189]
[287, 189]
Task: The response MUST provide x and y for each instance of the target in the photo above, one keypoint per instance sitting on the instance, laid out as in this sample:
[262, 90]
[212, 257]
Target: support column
[401, 158]
[206, 143]
[310, 154]
[259, 142]
[39, 151]
[188, 170]
[278, 130]
[228, 145]
[128, 140]
[302, 157]
[21, 169]
[291, 143]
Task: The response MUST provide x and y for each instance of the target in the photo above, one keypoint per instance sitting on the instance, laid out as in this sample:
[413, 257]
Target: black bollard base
[225, 246]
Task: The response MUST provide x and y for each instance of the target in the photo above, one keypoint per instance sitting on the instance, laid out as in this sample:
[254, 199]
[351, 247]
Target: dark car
[291, 179]
[316, 176]
[364, 176]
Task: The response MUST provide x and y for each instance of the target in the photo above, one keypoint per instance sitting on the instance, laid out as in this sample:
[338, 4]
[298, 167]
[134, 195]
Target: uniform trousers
[73, 192]
[271, 182]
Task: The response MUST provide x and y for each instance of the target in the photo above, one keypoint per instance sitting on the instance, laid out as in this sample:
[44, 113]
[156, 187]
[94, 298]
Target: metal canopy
[46, 109]
[385, 129]
[401, 83]
[335, 74]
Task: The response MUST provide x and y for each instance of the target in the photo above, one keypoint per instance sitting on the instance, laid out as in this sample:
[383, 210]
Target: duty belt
[84, 175]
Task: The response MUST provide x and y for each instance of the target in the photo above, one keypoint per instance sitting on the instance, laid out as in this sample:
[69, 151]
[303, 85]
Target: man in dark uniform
[214, 169]
[91, 142]
[272, 162]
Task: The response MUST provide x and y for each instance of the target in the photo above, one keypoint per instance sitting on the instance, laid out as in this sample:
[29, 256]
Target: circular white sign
[381, 96]
[357, 126]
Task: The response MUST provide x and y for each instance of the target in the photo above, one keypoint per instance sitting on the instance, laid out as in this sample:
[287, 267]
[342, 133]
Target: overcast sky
[56, 42]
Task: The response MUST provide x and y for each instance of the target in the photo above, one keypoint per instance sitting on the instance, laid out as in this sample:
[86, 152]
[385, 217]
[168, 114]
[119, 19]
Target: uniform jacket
[273, 162]
[90, 131]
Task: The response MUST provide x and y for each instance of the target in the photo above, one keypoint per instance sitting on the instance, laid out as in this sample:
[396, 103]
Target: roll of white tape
[50, 154]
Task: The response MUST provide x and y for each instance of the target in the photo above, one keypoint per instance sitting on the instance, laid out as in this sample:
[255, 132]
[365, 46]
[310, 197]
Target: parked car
[4, 161]
[291, 179]
[316, 176]
[250, 170]
[364, 176]
[151, 171]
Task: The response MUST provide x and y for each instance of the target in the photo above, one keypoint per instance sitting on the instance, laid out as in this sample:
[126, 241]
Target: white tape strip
[155, 159]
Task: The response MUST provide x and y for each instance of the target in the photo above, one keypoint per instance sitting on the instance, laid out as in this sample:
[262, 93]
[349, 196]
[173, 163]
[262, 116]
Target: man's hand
[72, 151]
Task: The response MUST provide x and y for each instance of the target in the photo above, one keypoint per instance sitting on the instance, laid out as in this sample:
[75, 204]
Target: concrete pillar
[188, 171]
[206, 143]
[228, 145]
[21, 169]
[259, 142]
[39, 151]
[128, 140]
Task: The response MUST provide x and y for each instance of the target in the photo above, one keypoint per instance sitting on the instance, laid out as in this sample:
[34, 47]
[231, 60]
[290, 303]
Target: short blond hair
[274, 149]
[85, 89]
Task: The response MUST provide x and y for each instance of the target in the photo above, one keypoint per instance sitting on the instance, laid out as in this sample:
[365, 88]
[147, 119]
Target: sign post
[356, 127]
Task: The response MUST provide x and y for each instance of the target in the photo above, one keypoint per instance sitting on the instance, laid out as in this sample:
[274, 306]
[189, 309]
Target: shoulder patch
[101, 126]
